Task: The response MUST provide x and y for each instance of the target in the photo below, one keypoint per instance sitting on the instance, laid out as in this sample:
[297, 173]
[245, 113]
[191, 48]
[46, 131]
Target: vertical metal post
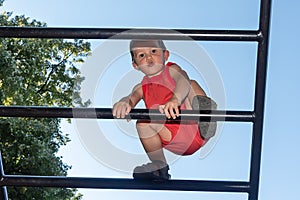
[3, 190]
[259, 101]
[3, 193]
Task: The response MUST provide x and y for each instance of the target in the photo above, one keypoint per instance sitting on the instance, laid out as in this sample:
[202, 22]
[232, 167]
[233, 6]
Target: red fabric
[157, 91]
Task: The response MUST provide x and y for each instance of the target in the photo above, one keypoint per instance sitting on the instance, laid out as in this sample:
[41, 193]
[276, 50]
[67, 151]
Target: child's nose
[149, 57]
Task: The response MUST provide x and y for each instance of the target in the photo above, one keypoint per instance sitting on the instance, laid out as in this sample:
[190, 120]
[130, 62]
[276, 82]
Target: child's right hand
[121, 109]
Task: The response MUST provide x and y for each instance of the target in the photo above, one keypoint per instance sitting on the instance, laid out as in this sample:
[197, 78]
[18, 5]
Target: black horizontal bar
[106, 113]
[117, 33]
[122, 183]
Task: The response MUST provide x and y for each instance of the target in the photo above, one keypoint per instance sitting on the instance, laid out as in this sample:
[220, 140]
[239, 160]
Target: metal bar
[104, 33]
[251, 187]
[259, 101]
[3, 190]
[121, 183]
[106, 113]
[3, 193]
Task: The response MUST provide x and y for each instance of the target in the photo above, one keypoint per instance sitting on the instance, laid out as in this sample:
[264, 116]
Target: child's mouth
[150, 65]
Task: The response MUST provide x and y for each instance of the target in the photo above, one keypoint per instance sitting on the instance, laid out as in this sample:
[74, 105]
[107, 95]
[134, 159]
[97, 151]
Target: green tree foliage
[37, 72]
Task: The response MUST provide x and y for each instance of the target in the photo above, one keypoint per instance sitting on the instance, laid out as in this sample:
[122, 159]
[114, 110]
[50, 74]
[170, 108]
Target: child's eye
[142, 55]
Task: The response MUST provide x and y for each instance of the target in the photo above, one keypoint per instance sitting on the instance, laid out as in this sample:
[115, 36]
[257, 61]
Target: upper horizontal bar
[106, 113]
[122, 183]
[117, 33]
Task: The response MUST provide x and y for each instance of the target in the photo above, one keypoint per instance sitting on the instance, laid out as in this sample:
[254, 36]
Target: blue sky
[234, 61]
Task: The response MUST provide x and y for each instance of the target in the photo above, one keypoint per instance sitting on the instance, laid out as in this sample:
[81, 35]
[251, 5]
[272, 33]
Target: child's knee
[140, 123]
[194, 84]
[196, 89]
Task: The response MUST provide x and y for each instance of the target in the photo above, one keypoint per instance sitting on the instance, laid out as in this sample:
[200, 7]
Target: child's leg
[198, 100]
[195, 90]
[150, 135]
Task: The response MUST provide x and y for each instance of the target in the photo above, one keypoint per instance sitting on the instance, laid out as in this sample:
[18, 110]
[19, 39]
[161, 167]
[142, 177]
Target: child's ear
[135, 66]
[166, 55]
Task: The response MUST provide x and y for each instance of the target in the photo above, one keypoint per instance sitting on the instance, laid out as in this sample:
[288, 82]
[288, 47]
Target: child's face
[150, 60]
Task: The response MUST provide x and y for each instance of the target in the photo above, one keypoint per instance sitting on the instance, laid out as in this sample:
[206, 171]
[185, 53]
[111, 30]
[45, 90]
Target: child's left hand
[170, 109]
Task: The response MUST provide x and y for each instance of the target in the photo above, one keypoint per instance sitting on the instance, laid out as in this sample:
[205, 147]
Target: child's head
[135, 44]
[148, 56]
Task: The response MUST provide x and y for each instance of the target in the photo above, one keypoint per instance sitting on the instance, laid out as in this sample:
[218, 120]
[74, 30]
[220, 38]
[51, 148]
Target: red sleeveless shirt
[158, 90]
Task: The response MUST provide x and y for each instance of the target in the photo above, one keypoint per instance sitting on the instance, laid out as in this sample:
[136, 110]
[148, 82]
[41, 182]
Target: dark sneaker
[207, 128]
[156, 170]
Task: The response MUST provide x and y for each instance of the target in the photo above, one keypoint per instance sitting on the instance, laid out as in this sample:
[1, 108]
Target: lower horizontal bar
[119, 183]
[106, 113]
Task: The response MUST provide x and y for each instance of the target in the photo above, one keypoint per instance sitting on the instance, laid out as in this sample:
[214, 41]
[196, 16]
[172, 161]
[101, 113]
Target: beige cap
[147, 43]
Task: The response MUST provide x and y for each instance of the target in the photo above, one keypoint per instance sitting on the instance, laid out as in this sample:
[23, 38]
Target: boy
[165, 87]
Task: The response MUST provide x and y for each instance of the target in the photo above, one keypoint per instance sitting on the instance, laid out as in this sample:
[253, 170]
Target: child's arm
[180, 93]
[124, 106]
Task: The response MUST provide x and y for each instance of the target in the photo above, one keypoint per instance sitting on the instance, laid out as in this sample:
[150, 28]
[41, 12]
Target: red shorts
[185, 140]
